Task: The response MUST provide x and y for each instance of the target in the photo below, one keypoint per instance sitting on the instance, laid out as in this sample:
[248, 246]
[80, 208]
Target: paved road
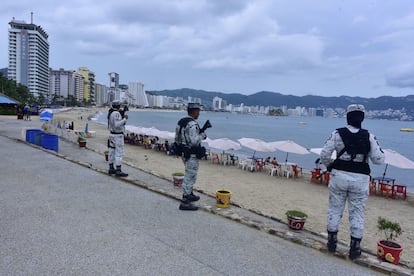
[58, 217]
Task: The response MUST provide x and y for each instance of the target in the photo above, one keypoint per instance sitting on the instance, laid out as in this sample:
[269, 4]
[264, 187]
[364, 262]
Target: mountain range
[267, 98]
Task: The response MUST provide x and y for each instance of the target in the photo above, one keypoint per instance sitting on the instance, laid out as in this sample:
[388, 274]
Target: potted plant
[389, 250]
[178, 178]
[82, 140]
[296, 219]
[106, 153]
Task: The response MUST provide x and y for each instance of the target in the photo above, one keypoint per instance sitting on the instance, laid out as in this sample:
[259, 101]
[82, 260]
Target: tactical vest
[183, 123]
[355, 143]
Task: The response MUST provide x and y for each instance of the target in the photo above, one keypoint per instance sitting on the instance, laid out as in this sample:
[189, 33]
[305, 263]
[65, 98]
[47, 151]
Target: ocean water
[310, 132]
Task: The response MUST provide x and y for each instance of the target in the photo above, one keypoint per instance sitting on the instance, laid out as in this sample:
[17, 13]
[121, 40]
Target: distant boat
[406, 129]
[302, 123]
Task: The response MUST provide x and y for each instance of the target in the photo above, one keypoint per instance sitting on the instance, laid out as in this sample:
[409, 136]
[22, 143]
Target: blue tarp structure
[6, 100]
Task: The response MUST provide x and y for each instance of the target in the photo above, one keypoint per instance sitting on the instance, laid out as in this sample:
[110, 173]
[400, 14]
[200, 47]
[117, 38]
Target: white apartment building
[60, 83]
[29, 56]
[66, 83]
[138, 94]
[101, 92]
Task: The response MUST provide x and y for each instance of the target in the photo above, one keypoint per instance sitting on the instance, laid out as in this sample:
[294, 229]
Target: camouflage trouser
[116, 149]
[351, 187]
[190, 177]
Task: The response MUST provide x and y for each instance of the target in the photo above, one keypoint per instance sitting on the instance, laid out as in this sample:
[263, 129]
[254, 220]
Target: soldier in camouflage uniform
[189, 134]
[116, 124]
[349, 180]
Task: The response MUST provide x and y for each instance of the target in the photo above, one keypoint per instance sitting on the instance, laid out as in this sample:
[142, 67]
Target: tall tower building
[60, 82]
[89, 84]
[113, 80]
[29, 56]
[138, 94]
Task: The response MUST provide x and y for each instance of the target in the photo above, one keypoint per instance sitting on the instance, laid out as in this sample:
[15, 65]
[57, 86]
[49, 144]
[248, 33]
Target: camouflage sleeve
[376, 154]
[328, 148]
[194, 136]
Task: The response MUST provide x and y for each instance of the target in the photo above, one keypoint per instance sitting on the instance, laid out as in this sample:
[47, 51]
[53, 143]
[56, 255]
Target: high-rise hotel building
[29, 56]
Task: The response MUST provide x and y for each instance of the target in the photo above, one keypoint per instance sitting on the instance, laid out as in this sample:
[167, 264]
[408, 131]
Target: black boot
[186, 205]
[191, 197]
[355, 248]
[332, 241]
[119, 173]
[111, 169]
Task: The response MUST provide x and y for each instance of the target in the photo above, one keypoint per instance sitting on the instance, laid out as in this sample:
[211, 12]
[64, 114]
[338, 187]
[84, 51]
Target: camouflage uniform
[349, 179]
[116, 138]
[351, 186]
[191, 136]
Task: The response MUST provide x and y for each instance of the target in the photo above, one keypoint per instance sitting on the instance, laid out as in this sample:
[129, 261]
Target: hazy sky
[298, 47]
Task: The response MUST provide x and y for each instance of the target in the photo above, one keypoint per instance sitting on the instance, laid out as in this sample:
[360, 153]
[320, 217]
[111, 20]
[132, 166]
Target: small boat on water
[407, 129]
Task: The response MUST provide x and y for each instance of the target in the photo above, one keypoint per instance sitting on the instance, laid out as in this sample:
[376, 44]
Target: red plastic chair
[259, 165]
[372, 187]
[315, 175]
[297, 171]
[385, 188]
[399, 189]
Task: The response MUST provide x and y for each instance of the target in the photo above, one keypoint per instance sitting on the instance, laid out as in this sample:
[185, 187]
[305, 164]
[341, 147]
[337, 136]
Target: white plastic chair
[287, 170]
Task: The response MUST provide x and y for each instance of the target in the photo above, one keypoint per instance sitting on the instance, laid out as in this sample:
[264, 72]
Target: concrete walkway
[62, 214]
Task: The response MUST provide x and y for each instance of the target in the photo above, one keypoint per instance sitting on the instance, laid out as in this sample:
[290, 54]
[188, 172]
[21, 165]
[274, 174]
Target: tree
[276, 112]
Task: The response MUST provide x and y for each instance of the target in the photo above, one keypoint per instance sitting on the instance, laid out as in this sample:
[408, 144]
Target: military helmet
[355, 107]
[192, 106]
[116, 104]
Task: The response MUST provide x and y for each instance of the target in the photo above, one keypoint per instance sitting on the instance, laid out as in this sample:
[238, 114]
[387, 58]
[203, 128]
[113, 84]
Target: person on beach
[26, 112]
[116, 124]
[189, 135]
[349, 177]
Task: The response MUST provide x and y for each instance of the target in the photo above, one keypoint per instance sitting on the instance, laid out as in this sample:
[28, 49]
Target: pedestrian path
[93, 159]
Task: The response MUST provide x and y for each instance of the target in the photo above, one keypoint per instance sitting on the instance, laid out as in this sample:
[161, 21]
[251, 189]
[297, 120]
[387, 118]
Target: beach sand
[265, 194]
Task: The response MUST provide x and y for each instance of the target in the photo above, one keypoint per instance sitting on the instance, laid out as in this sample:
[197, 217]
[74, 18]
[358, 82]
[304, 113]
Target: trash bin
[38, 138]
[31, 135]
[50, 141]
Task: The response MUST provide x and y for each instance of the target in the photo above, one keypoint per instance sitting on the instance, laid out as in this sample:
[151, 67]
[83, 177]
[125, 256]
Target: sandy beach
[265, 194]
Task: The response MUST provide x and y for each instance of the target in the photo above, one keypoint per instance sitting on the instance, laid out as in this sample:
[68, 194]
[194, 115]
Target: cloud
[255, 45]
[401, 77]
[359, 19]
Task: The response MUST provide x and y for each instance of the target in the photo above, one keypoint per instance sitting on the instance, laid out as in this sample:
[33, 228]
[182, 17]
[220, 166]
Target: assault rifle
[206, 125]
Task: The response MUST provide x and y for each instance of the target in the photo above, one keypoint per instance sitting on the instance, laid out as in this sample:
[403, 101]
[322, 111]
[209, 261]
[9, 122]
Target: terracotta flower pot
[296, 223]
[389, 251]
[296, 219]
[178, 180]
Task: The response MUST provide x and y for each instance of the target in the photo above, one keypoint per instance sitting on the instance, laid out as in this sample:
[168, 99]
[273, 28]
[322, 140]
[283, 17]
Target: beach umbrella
[396, 159]
[150, 131]
[319, 150]
[288, 146]
[133, 129]
[255, 144]
[166, 134]
[223, 144]
[46, 115]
